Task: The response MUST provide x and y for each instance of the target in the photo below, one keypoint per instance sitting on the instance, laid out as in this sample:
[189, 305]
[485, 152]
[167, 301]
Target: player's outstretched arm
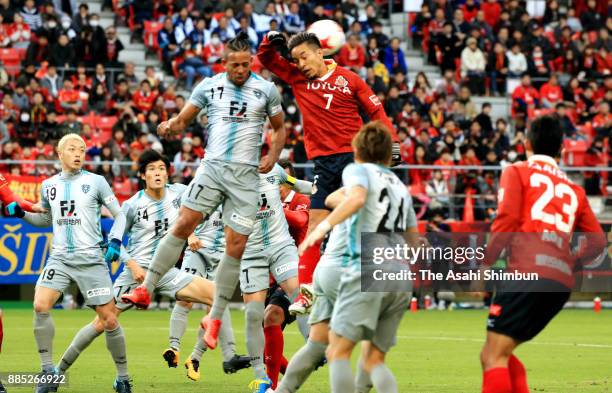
[178, 123]
[269, 57]
[41, 220]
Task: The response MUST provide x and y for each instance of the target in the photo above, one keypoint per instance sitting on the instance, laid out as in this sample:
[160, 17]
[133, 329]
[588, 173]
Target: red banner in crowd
[27, 187]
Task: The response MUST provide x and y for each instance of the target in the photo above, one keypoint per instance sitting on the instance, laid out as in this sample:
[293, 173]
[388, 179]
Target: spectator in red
[470, 8]
[551, 93]
[525, 97]
[143, 99]
[19, 32]
[69, 98]
[213, 53]
[446, 159]
[352, 56]
[469, 156]
[492, 11]
[419, 176]
[38, 111]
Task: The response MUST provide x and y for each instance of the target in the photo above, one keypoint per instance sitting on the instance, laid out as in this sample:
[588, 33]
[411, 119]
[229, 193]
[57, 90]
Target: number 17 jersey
[236, 116]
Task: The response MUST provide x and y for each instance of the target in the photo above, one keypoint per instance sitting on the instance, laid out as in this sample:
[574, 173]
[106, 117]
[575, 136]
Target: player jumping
[355, 316]
[237, 102]
[148, 217]
[205, 250]
[329, 98]
[74, 198]
[534, 196]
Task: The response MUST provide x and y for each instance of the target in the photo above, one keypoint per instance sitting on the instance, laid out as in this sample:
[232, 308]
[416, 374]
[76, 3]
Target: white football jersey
[148, 221]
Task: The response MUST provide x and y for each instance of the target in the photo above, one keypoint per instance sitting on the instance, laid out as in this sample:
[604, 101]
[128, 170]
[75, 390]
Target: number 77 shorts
[236, 186]
[93, 279]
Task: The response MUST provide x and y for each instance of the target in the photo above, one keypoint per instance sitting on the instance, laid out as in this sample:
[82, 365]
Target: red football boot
[211, 331]
[139, 297]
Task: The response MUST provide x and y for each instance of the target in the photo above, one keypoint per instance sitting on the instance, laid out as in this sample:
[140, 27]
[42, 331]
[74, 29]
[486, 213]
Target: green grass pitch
[437, 352]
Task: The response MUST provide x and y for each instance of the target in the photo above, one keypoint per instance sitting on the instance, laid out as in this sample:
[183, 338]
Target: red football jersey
[537, 197]
[329, 105]
[296, 208]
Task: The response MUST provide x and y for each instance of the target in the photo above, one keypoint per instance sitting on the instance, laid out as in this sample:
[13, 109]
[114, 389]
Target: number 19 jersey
[236, 116]
[388, 208]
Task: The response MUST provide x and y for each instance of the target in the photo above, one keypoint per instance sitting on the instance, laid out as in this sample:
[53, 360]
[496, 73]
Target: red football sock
[518, 375]
[496, 380]
[308, 263]
[284, 364]
[274, 352]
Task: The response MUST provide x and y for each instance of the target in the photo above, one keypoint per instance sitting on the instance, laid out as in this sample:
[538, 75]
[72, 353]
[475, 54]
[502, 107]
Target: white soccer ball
[330, 34]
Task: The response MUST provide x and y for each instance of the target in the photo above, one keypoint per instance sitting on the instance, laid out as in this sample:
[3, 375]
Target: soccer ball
[330, 34]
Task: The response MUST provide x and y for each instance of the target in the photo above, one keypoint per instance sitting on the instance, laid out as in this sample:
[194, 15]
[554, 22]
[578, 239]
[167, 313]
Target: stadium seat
[574, 152]
[11, 59]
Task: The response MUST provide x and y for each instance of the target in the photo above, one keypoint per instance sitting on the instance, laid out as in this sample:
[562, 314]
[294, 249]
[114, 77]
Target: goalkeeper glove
[277, 38]
[13, 210]
[396, 155]
[114, 251]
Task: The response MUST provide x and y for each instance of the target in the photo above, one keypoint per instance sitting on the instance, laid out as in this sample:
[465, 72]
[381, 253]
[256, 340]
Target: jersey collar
[331, 67]
[289, 197]
[542, 158]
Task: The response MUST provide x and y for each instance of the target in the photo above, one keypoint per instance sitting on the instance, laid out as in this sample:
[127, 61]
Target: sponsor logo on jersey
[374, 99]
[258, 93]
[85, 188]
[176, 202]
[98, 292]
[285, 268]
[240, 220]
[341, 81]
[270, 179]
[322, 85]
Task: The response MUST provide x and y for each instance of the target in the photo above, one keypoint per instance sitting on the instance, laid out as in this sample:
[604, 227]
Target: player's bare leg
[339, 360]
[308, 263]
[502, 371]
[227, 276]
[306, 359]
[167, 254]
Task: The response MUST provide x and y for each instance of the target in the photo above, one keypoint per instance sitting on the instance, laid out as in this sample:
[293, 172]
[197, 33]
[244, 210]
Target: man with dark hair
[238, 103]
[329, 98]
[534, 197]
[148, 217]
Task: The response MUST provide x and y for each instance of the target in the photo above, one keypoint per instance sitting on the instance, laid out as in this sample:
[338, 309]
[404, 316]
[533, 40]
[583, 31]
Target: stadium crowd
[554, 60]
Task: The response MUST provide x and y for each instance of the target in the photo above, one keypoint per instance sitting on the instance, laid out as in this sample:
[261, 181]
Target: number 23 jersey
[388, 208]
